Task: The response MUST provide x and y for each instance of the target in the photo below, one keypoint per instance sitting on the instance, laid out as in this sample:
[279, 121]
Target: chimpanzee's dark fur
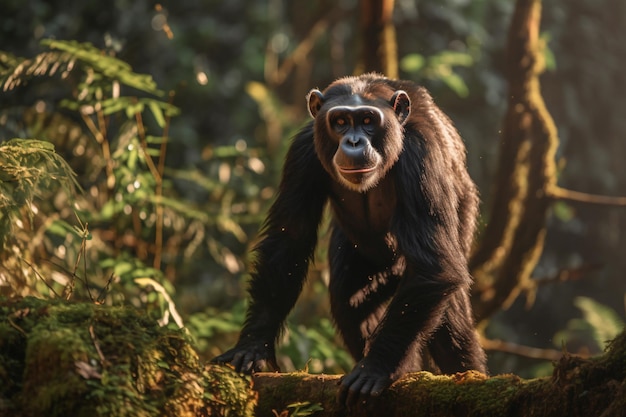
[392, 166]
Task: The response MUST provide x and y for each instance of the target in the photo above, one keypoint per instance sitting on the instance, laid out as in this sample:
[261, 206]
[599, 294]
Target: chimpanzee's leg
[454, 346]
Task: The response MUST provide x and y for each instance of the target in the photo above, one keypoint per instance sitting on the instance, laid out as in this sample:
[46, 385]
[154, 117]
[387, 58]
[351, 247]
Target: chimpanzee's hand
[250, 357]
[363, 382]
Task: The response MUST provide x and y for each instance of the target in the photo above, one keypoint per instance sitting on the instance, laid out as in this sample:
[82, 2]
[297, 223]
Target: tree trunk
[379, 48]
[513, 239]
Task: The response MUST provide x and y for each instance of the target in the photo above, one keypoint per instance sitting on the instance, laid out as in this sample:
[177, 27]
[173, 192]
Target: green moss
[50, 382]
[469, 393]
[68, 359]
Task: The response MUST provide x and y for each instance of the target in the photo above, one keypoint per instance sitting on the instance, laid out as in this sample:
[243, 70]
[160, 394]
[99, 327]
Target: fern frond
[28, 166]
[15, 71]
[108, 66]
[63, 57]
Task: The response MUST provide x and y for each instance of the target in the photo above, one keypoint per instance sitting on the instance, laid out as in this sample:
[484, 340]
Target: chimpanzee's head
[358, 130]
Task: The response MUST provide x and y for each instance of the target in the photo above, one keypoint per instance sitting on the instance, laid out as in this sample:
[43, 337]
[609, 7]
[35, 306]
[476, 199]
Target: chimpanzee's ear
[315, 99]
[401, 104]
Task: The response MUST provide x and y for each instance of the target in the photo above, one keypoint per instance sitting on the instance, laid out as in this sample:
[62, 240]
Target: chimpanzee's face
[358, 138]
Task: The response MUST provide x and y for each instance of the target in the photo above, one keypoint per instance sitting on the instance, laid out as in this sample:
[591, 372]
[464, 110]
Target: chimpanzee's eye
[340, 121]
[367, 120]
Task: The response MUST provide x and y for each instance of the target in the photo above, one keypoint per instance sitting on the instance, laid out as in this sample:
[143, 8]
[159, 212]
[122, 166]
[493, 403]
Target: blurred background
[227, 92]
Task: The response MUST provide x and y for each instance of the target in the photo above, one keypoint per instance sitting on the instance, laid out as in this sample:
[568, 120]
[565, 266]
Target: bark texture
[513, 239]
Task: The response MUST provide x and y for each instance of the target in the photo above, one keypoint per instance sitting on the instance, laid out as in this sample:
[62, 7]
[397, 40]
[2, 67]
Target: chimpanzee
[404, 210]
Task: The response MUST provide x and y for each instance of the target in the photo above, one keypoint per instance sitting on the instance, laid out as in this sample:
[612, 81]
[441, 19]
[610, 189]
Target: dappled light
[142, 145]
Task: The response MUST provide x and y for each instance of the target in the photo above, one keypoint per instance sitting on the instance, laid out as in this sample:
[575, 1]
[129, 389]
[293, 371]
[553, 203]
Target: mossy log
[80, 359]
[578, 387]
[591, 387]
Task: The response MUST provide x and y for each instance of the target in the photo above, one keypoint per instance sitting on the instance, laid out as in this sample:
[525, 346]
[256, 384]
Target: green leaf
[456, 84]
[549, 59]
[114, 105]
[109, 209]
[61, 228]
[154, 139]
[412, 63]
[305, 408]
[606, 323]
[133, 155]
[563, 211]
[122, 268]
[157, 112]
[133, 109]
[153, 152]
[453, 58]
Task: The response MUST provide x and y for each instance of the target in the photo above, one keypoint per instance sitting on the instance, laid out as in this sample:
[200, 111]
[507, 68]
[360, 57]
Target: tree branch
[525, 351]
[567, 274]
[559, 193]
[275, 74]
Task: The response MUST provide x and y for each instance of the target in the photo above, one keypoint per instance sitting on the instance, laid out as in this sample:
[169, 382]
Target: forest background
[176, 174]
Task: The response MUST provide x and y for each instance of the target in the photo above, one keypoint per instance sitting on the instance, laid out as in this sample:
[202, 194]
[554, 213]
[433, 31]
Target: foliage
[27, 167]
[599, 323]
[207, 326]
[124, 173]
[62, 58]
[302, 409]
[440, 67]
[313, 348]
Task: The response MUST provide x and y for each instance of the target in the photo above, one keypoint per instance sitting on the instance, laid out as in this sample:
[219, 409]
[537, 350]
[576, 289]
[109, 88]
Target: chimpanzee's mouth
[355, 170]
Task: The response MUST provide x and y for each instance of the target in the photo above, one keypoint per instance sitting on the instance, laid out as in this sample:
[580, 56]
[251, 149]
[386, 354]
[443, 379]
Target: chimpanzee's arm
[288, 239]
